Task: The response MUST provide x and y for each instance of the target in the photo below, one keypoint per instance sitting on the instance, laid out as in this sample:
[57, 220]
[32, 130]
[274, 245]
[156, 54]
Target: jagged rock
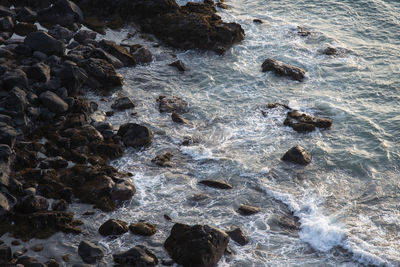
[39, 72]
[8, 135]
[14, 78]
[199, 245]
[43, 42]
[89, 252]
[103, 72]
[72, 78]
[302, 122]
[135, 135]
[297, 155]
[32, 203]
[172, 104]
[283, 69]
[24, 29]
[238, 236]
[179, 65]
[145, 229]
[53, 163]
[101, 54]
[330, 51]
[247, 210]
[302, 31]
[141, 54]
[178, 118]
[113, 227]
[83, 35]
[163, 160]
[62, 12]
[123, 190]
[53, 102]
[25, 14]
[138, 256]
[285, 223]
[6, 24]
[118, 51]
[122, 103]
[216, 184]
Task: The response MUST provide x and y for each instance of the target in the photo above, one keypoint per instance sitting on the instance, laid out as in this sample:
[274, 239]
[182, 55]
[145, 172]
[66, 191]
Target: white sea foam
[199, 152]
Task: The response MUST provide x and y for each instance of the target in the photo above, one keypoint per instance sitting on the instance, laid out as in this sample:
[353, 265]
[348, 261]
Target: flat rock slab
[283, 69]
[216, 184]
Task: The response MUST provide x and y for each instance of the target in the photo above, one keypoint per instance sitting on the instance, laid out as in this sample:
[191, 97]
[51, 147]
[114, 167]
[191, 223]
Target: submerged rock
[283, 69]
[113, 227]
[297, 155]
[238, 236]
[302, 122]
[216, 184]
[247, 210]
[196, 246]
[163, 160]
[172, 104]
[179, 119]
[179, 65]
[138, 256]
[89, 252]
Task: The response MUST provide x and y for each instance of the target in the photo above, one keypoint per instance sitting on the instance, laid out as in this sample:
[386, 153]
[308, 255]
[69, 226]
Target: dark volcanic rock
[163, 160]
[238, 236]
[123, 190]
[53, 163]
[25, 14]
[118, 51]
[145, 229]
[135, 135]
[122, 103]
[61, 33]
[6, 158]
[196, 246]
[247, 210]
[24, 29]
[8, 135]
[39, 72]
[138, 256]
[72, 77]
[216, 184]
[113, 227]
[5, 206]
[89, 252]
[297, 155]
[41, 41]
[302, 122]
[179, 65]
[172, 104]
[31, 203]
[6, 12]
[141, 54]
[283, 69]
[14, 78]
[53, 102]
[330, 51]
[16, 100]
[83, 35]
[59, 205]
[103, 72]
[62, 12]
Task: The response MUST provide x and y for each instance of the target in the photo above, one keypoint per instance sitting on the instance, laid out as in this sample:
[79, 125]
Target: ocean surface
[346, 200]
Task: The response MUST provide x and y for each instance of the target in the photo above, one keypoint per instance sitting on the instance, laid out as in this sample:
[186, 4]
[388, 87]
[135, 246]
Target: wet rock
[297, 155]
[113, 227]
[59, 205]
[163, 160]
[101, 54]
[25, 14]
[89, 252]
[247, 210]
[330, 51]
[14, 78]
[179, 119]
[62, 12]
[172, 104]
[5, 254]
[23, 50]
[257, 21]
[16, 100]
[139, 256]
[83, 35]
[43, 42]
[179, 65]
[302, 122]
[8, 135]
[61, 33]
[103, 72]
[52, 263]
[283, 69]
[122, 103]
[24, 29]
[123, 190]
[199, 245]
[39, 72]
[303, 32]
[53, 102]
[31, 203]
[145, 229]
[15, 243]
[30, 191]
[286, 223]
[238, 236]
[216, 184]
[135, 135]
[118, 51]
[6, 24]
[200, 197]
[141, 54]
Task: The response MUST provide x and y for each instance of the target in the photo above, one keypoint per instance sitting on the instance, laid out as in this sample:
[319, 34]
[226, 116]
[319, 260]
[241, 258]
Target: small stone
[178, 118]
[283, 69]
[216, 184]
[247, 210]
[179, 65]
[238, 236]
[200, 197]
[163, 160]
[257, 21]
[15, 243]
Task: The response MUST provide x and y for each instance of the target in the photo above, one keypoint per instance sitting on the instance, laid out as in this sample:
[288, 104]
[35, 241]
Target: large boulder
[118, 51]
[297, 155]
[145, 229]
[135, 135]
[83, 35]
[196, 246]
[16, 100]
[238, 236]
[89, 252]
[302, 122]
[14, 78]
[39, 72]
[141, 54]
[283, 69]
[123, 189]
[138, 256]
[43, 42]
[113, 227]
[53, 102]
[25, 14]
[63, 12]
[172, 104]
[103, 72]
[61, 33]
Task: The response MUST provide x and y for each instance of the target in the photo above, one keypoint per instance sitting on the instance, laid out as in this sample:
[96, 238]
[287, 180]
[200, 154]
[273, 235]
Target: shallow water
[346, 199]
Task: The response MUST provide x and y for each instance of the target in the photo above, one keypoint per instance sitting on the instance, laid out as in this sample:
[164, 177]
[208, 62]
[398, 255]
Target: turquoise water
[346, 200]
